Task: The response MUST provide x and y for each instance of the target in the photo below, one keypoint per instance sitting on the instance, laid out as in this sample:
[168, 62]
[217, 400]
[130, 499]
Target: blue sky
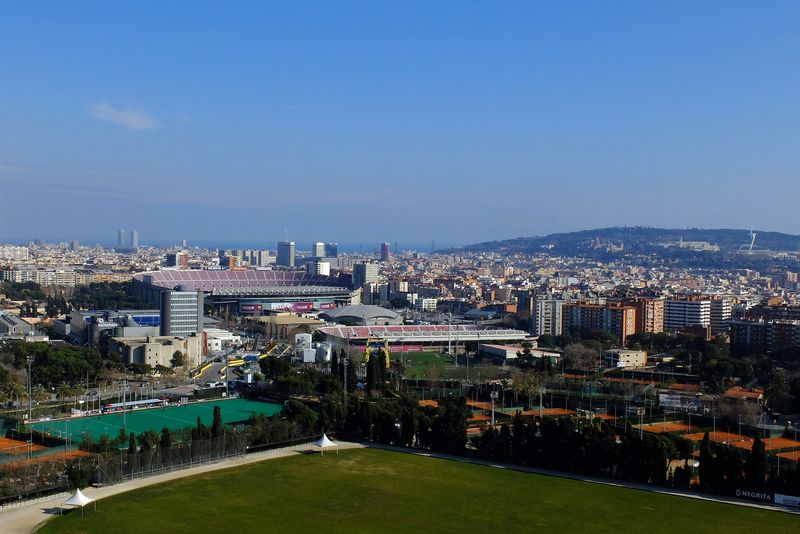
[395, 121]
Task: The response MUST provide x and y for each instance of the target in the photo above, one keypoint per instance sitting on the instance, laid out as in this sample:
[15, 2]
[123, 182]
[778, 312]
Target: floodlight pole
[30, 390]
[345, 363]
[124, 386]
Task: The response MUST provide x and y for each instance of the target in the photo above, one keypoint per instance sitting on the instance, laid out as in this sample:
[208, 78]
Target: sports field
[369, 490]
[435, 365]
[139, 421]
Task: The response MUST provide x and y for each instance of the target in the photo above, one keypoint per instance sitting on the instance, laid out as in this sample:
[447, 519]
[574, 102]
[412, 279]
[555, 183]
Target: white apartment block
[679, 314]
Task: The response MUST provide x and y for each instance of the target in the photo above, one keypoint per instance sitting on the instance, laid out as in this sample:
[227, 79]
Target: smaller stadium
[405, 338]
[251, 292]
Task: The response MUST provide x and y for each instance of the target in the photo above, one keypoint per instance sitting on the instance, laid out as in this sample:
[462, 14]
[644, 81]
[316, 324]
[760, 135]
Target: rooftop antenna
[286, 233]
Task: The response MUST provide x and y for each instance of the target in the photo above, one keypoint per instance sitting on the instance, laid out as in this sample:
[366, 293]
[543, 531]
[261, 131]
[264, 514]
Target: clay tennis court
[549, 412]
[55, 457]
[793, 456]
[13, 446]
[605, 416]
[480, 405]
[772, 444]
[745, 443]
[669, 426]
[717, 437]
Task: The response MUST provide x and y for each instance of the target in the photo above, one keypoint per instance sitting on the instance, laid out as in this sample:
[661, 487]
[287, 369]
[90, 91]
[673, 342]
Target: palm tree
[15, 389]
[75, 392]
[63, 390]
[39, 393]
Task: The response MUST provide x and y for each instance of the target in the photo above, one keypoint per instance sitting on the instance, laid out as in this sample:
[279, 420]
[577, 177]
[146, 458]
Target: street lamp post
[713, 415]
[493, 395]
[541, 392]
[640, 412]
[227, 366]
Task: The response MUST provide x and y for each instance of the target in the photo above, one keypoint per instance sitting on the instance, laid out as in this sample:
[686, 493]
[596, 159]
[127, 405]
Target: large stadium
[251, 291]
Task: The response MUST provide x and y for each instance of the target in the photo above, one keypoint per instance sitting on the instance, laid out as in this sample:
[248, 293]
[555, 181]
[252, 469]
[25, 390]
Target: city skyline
[556, 118]
[444, 237]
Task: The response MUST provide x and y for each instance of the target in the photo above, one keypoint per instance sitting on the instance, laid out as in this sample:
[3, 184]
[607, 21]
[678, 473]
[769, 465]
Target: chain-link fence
[24, 482]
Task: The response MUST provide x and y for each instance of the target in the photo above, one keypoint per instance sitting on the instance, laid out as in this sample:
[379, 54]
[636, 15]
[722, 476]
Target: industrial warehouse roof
[208, 280]
[363, 312]
[424, 333]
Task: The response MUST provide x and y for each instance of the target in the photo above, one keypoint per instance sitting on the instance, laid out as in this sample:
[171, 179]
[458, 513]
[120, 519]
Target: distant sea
[365, 247]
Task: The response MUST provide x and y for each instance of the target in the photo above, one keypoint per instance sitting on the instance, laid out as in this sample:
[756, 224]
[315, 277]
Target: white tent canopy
[324, 443]
[79, 499]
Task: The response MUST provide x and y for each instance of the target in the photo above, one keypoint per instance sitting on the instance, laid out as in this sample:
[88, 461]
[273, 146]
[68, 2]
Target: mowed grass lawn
[368, 490]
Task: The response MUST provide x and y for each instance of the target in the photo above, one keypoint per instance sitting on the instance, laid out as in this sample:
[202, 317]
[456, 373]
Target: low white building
[218, 339]
[625, 358]
[426, 304]
[157, 350]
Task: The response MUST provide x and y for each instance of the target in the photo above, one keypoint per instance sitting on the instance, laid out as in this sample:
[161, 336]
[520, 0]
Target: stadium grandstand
[251, 291]
[416, 337]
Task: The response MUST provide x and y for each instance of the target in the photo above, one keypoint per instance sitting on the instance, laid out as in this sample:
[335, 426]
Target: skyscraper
[331, 250]
[364, 273]
[134, 238]
[121, 238]
[285, 253]
[386, 251]
[318, 250]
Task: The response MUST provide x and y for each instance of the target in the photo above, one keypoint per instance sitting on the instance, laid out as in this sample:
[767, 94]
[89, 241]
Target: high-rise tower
[285, 253]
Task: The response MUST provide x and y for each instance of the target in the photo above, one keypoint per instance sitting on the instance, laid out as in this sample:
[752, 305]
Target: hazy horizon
[349, 246]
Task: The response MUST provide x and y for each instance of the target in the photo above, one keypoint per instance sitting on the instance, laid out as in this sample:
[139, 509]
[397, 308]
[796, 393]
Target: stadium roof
[245, 280]
[363, 312]
[424, 333]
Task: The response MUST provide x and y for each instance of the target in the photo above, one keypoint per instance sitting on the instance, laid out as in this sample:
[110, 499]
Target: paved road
[23, 519]
[211, 374]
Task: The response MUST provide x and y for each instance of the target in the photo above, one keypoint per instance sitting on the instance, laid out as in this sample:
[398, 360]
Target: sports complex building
[405, 338]
[251, 292]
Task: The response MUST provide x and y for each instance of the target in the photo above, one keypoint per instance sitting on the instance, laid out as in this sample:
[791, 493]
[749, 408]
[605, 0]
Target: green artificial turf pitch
[174, 418]
[369, 490]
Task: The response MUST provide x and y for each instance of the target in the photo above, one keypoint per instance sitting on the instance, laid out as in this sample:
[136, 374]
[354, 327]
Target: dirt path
[23, 519]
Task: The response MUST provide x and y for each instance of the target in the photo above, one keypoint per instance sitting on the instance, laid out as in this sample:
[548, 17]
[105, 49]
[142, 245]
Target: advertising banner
[407, 348]
[754, 495]
[296, 307]
[250, 308]
[788, 500]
